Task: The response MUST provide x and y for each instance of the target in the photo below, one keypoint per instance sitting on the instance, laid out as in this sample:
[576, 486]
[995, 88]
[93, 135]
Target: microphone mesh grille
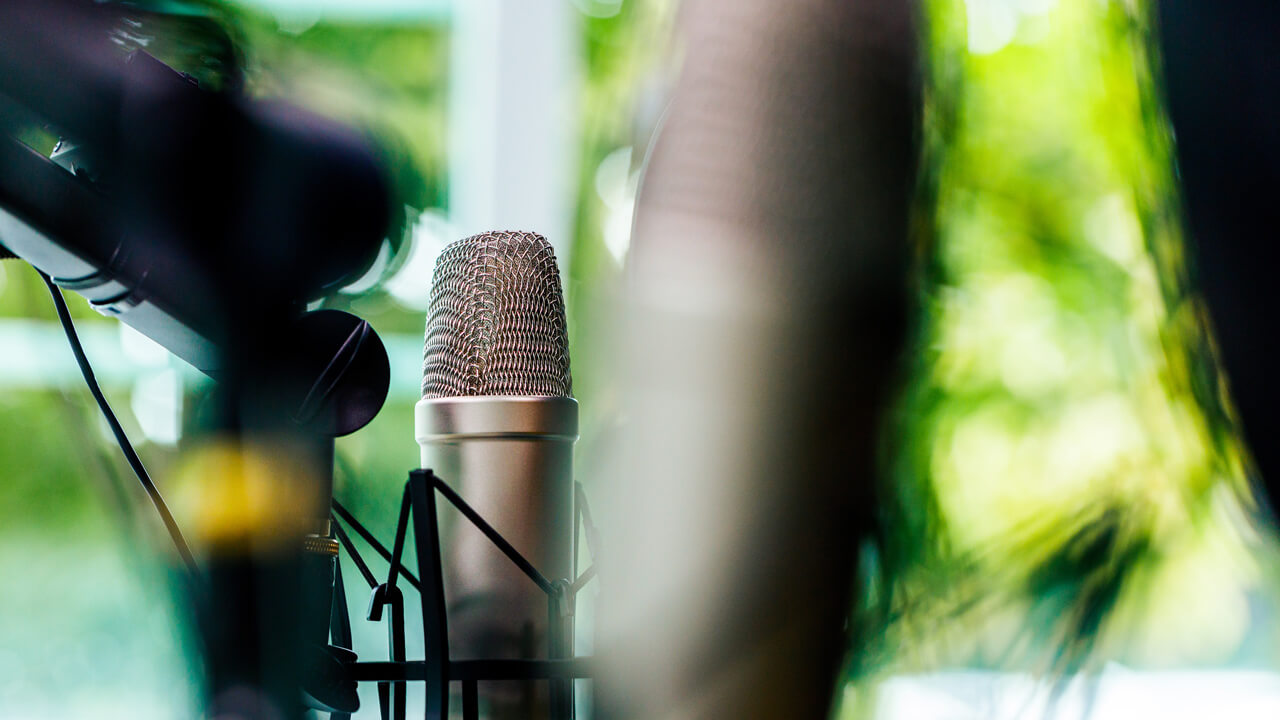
[496, 323]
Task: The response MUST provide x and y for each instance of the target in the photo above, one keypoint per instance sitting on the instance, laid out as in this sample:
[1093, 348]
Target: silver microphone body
[511, 459]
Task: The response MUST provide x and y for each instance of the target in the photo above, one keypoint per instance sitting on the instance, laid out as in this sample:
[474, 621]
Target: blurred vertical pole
[1221, 66]
[513, 118]
[766, 308]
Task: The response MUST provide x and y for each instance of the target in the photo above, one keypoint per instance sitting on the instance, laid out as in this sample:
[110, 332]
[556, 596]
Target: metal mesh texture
[496, 324]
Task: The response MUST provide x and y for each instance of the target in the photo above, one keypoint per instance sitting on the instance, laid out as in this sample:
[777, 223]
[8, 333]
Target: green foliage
[1066, 453]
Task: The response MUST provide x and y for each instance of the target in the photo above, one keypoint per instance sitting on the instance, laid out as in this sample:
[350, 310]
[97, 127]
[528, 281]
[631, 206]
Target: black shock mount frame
[438, 670]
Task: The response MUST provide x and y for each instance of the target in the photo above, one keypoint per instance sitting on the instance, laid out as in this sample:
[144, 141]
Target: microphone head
[496, 323]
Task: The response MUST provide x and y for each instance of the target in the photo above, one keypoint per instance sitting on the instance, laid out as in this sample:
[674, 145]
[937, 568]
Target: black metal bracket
[437, 670]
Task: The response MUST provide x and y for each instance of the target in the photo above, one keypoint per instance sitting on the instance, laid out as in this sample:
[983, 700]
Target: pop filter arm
[205, 220]
[208, 221]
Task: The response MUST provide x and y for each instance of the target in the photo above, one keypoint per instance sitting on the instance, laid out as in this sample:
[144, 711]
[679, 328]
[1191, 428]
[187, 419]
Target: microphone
[497, 421]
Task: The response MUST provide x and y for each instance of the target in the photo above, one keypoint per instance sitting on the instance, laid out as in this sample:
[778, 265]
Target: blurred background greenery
[1065, 489]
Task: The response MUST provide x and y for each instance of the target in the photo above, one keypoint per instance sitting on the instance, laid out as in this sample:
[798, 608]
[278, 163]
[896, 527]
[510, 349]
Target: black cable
[64, 316]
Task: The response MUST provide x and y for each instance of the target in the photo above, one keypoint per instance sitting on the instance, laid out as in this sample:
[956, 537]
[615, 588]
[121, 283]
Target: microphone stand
[265, 613]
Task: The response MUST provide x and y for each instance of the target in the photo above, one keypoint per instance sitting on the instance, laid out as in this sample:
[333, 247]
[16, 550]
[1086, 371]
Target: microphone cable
[64, 316]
